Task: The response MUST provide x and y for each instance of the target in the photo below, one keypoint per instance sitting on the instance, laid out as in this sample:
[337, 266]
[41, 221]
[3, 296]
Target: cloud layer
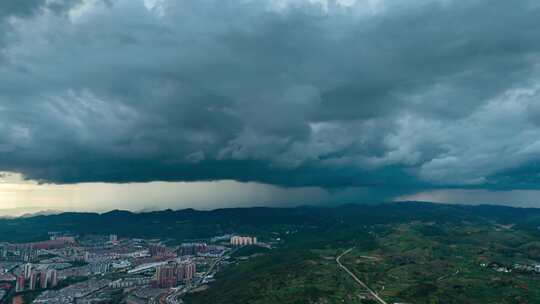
[393, 96]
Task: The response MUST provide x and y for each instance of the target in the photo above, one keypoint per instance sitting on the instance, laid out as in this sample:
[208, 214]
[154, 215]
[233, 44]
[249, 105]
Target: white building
[27, 270]
[243, 240]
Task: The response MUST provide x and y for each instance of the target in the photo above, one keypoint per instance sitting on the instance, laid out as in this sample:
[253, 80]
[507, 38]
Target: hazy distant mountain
[26, 212]
[42, 212]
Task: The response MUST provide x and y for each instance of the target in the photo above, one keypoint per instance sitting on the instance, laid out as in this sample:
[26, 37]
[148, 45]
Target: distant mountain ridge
[26, 212]
[193, 224]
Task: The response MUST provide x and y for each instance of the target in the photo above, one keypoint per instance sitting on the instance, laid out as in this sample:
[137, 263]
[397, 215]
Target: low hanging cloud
[393, 96]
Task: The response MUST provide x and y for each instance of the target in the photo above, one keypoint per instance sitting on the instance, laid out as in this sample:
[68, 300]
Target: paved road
[217, 261]
[356, 279]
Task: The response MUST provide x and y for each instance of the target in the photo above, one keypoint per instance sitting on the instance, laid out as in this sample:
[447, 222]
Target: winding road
[356, 279]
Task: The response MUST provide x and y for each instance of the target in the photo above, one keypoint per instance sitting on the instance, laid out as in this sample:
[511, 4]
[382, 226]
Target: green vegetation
[175, 225]
[263, 222]
[303, 271]
[78, 263]
[421, 258]
[287, 276]
[70, 281]
[441, 263]
[250, 251]
[408, 253]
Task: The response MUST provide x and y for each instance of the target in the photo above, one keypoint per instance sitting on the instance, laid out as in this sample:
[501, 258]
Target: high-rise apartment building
[19, 285]
[43, 280]
[191, 249]
[166, 276]
[27, 270]
[33, 280]
[157, 250]
[186, 271]
[52, 274]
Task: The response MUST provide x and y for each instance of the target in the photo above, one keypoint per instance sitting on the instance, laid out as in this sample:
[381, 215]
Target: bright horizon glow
[17, 193]
[19, 196]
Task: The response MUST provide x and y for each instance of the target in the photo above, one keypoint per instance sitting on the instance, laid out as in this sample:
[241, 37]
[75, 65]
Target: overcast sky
[138, 104]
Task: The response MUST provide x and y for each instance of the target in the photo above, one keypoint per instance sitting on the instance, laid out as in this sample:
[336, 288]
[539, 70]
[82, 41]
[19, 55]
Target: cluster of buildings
[192, 249]
[175, 273]
[28, 252]
[243, 240]
[130, 282]
[142, 268]
[527, 268]
[18, 253]
[75, 293]
[159, 250]
[524, 268]
[30, 279]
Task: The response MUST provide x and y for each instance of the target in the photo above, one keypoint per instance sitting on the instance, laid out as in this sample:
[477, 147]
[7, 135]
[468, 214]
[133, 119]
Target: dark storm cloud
[20, 8]
[402, 95]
